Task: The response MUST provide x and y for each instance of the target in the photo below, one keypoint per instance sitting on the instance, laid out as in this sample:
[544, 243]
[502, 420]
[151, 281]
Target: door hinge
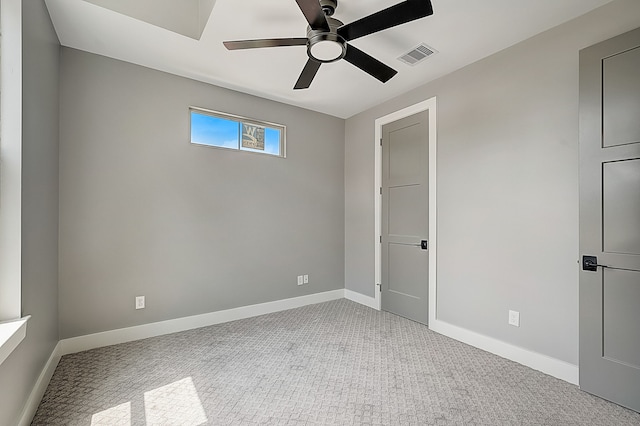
[380, 141]
[380, 190]
[380, 239]
[379, 286]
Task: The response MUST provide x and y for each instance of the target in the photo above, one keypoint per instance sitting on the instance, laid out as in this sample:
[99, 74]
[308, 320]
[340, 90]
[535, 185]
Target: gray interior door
[610, 219]
[405, 217]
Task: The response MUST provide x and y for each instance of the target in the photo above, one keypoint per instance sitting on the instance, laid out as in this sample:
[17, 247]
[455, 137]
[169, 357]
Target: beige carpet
[335, 363]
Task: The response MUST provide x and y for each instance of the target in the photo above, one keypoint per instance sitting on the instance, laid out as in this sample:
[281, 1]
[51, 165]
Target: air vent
[417, 55]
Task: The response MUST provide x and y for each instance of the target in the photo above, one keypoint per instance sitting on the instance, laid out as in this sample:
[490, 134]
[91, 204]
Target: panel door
[405, 217]
[610, 219]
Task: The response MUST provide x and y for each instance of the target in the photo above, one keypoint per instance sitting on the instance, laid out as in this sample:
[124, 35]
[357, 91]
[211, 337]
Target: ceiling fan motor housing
[326, 46]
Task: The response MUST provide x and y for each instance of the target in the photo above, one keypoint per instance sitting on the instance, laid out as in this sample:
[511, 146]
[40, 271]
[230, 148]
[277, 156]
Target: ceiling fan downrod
[328, 6]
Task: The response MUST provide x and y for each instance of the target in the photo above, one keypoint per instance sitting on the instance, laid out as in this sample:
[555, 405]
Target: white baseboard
[551, 366]
[122, 335]
[554, 367]
[548, 365]
[361, 299]
[40, 387]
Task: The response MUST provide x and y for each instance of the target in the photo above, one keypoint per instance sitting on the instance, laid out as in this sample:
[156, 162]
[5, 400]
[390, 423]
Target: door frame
[428, 105]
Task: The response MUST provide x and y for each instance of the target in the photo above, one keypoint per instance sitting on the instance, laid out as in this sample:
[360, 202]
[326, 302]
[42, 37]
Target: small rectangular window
[233, 132]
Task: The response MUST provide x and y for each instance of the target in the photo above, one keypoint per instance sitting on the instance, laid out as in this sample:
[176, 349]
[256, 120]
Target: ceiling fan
[327, 37]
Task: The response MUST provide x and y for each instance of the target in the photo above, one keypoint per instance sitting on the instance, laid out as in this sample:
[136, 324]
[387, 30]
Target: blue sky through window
[221, 132]
[214, 131]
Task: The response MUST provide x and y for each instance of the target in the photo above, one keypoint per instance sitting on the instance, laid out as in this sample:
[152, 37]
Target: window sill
[11, 334]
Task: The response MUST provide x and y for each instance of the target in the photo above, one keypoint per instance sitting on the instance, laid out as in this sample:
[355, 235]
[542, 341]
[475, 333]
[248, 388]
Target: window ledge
[11, 334]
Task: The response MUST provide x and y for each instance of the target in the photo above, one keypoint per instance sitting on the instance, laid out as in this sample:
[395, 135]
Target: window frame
[240, 120]
[13, 328]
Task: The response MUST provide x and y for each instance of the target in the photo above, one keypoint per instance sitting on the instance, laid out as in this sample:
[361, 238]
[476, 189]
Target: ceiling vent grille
[417, 55]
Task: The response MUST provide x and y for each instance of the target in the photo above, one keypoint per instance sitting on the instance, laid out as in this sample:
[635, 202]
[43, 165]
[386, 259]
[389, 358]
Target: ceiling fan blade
[369, 64]
[265, 42]
[308, 73]
[313, 12]
[401, 13]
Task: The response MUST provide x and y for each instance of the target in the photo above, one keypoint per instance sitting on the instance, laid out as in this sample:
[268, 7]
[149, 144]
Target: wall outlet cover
[306, 279]
[514, 318]
[300, 280]
[139, 302]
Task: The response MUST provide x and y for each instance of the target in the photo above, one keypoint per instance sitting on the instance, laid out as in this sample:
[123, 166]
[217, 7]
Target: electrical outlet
[139, 302]
[306, 279]
[514, 318]
[300, 280]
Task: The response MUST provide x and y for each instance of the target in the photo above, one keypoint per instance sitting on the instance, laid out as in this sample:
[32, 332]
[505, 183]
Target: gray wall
[20, 371]
[194, 229]
[507, 182]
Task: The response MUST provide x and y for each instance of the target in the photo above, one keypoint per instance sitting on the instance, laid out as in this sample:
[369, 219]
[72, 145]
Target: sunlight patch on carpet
[177, 403]
[120, 415]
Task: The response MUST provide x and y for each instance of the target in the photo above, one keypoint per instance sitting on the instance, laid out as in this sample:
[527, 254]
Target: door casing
[428, 105]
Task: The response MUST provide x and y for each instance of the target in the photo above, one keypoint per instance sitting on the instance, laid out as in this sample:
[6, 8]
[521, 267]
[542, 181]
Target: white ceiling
[462, 31]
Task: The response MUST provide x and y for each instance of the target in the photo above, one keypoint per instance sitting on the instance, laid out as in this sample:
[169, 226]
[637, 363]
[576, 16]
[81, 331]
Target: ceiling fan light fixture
[326, 47]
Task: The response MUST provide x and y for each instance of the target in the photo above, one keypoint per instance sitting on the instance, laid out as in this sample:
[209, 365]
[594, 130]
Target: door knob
[590, 263]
